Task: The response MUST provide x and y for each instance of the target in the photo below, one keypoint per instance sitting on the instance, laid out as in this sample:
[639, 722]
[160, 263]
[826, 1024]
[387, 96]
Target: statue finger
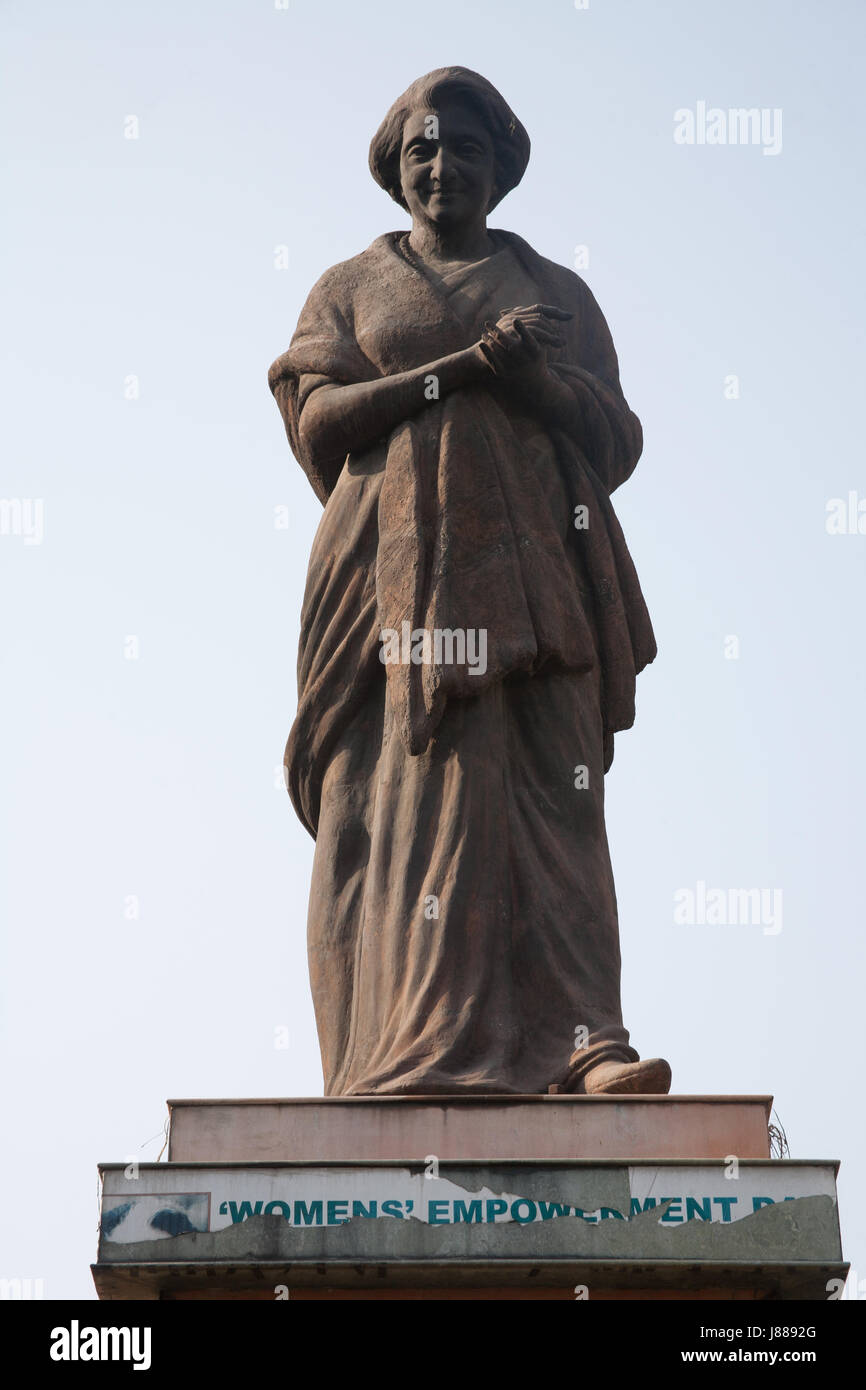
[539, 334]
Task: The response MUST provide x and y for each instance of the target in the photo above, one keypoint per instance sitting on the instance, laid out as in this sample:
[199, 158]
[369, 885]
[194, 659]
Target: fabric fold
[466, 540]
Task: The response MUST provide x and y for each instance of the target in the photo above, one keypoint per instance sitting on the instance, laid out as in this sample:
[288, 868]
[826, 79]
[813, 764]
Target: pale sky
[154, 879]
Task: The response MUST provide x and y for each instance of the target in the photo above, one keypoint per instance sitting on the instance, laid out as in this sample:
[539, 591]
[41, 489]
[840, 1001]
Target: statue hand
[520, 341]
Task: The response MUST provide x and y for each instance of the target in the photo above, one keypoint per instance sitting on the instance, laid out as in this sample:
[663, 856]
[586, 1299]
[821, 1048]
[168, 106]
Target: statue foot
[652, 1077]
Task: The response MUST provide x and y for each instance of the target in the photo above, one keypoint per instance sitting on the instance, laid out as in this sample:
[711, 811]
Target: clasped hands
[519, 343]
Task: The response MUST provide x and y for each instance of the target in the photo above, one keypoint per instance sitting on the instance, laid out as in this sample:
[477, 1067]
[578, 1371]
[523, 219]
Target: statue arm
[332, 397]
[336, 420]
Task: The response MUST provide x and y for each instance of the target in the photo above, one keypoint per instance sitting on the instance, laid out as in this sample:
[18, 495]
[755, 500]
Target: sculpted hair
[511, 143]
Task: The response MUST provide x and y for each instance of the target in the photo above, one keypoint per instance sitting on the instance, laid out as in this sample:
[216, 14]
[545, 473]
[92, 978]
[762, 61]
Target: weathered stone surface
[469, 1127]
[788, 1248]
[806, 1225]
[471, 634]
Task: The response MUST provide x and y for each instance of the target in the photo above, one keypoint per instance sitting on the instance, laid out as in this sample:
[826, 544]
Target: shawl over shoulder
[463, 538]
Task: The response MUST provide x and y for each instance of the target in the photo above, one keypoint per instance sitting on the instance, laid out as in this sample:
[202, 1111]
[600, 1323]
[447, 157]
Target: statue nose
[441, 167]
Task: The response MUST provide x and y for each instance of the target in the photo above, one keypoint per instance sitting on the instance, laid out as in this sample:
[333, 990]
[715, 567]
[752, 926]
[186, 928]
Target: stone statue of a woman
[471, 632]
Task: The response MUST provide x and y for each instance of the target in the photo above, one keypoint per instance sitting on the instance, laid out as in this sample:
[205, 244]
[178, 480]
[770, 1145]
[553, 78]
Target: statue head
[450, 147]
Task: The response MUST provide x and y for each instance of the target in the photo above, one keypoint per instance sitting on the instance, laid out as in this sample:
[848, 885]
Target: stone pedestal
[357, 1129]
[554, 1197]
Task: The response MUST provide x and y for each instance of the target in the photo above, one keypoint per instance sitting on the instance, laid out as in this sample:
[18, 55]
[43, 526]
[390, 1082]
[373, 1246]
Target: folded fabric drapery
[465, 540]
[462, 920]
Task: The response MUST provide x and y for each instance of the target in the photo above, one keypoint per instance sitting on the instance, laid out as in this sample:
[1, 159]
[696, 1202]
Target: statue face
[447, 166]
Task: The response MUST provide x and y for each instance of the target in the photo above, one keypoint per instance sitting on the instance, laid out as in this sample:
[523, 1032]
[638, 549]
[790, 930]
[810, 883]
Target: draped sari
[462, 928]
